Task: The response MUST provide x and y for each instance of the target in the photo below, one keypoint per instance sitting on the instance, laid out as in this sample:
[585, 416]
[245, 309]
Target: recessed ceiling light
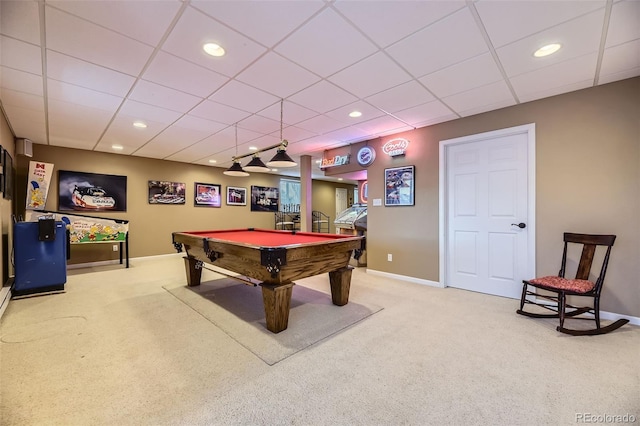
[355, 114]
[318, 161]
[274, 170]
[547, 50]
[117, 147]
[253, 148]
[213, 161]
[213, 49]
[139, 125]
[340, 179]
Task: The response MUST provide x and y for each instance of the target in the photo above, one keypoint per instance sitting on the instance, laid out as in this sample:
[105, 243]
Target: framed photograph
[7, 175]
[207, 195]
[236, 196]
[163, 192]
[264, 199]
[399, 187]
[81, 191]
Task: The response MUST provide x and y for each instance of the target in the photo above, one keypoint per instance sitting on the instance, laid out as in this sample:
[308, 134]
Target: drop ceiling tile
[214, 111]
[342, 114]
[144, 21]
[371, 75]
[205, 149]
[621, 58]
[76, 125]
[22, 100]
[97, 45]
[170, 71]
[259, 124]
[431, 112]
[401, 97]
[320, 124]
[555, 79]
[121, 132]
[147, 113]
[194, 29]
[622, 75]
[27, 123]
[170, 141]
[578, 37]
[326, 44]
[508, 21]
[163, 97]
[77, 95]
[624, 24]
[389, 21]
[17, 18]
[241, 96]
[458, 79]
[322, 97]
[199, 124]
[382, 124]
[481, 99]
[447, 42]
[344, 136]
[81, 73]
[264, 22]
[277, 75]
[21, 81]
[261, 142]
[291, 113]
[20, 56]
[294, 134]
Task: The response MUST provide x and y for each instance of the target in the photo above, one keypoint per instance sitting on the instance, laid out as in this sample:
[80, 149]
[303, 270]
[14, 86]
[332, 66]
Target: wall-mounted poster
[91, 191]
[399, 186]
[207, 194]
[38, 181]
[236, 196]
[264, 199]
[162, 192]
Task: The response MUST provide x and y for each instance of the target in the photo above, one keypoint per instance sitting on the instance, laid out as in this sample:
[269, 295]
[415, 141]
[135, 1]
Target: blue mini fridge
[40, 257]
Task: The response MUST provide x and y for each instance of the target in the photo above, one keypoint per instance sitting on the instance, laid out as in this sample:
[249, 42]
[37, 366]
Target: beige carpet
[238, 310]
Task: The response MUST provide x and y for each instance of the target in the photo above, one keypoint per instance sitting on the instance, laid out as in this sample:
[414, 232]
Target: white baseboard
[405, 278]
[5, 296]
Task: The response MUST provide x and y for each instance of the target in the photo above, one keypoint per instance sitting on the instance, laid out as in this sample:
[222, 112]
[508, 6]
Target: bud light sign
[395, 147]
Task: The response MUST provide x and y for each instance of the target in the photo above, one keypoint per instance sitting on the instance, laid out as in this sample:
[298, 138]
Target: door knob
[520, 225]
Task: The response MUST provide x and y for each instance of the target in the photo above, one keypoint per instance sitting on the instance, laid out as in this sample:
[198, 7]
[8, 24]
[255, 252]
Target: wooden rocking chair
[579, 286]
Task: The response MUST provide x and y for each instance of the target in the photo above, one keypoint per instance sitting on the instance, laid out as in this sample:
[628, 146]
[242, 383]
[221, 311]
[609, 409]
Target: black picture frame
[164, 192]
[399, 186]
[264, 198]
[207, 195]
[236, 196]
[82, 191]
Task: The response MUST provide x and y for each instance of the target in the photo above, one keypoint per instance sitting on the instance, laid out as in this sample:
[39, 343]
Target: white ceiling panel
[266, 22]
[401, 97]
[144, 21]
[163, 97]
[81, 73]
[170, 71]
[194, 29]
[97, 45]
[371, 75]
[277, 75]
[524, 18]
[20, 55]
[440, 45]
[17, 19]
[578, 37]
[389, 21]
[403, 64]
[481, 99]
[457, 79]
[326, 44]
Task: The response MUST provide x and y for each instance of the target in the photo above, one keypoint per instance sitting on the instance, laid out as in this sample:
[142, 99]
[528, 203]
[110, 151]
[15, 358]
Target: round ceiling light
[355, 114]
[213, 49]
[139, 125]
[547, 50]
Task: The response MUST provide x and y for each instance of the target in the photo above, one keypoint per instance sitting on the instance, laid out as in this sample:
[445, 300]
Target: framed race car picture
[207, 195]
[236, 196]
[82, 191]
[165, 192]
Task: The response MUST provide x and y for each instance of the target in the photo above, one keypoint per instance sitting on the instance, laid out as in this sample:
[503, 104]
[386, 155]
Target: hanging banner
[38, 179]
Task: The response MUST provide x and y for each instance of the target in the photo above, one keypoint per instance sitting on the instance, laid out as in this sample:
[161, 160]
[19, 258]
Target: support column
[306, 192]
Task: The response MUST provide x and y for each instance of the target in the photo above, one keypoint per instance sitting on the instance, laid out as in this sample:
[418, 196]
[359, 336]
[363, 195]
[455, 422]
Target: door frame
[530, 131]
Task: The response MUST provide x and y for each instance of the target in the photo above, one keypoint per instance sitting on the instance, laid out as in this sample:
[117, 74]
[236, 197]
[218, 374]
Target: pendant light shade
[281, 159]
[235, 170]
[256, 165]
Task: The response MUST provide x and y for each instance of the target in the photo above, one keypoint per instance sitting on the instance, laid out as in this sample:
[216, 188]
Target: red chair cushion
[559, 283]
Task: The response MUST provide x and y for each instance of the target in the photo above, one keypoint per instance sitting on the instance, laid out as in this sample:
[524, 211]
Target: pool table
[273, 258]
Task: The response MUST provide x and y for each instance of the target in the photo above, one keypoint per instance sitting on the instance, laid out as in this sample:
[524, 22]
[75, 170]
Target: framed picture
[91, 192]
[264, 199]
[399, 187]
[236, 196]
[207, 195]
[163, 192]
[7, 175]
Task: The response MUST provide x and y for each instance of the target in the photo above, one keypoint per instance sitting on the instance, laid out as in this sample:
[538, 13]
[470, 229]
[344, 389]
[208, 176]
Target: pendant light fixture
[256, 165]
[236, 168]
[281, 159]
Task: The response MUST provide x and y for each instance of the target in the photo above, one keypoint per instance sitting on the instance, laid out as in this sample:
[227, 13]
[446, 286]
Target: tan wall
[6, 219]
[587, 180]
[151, 225]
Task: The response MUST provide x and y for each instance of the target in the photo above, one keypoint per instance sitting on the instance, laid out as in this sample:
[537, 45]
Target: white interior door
[341, 202]
[489, 241]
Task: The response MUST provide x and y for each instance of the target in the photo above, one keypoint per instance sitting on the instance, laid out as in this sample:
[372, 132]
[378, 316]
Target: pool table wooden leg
[277, 299]
[340, 285]
[193, 274]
